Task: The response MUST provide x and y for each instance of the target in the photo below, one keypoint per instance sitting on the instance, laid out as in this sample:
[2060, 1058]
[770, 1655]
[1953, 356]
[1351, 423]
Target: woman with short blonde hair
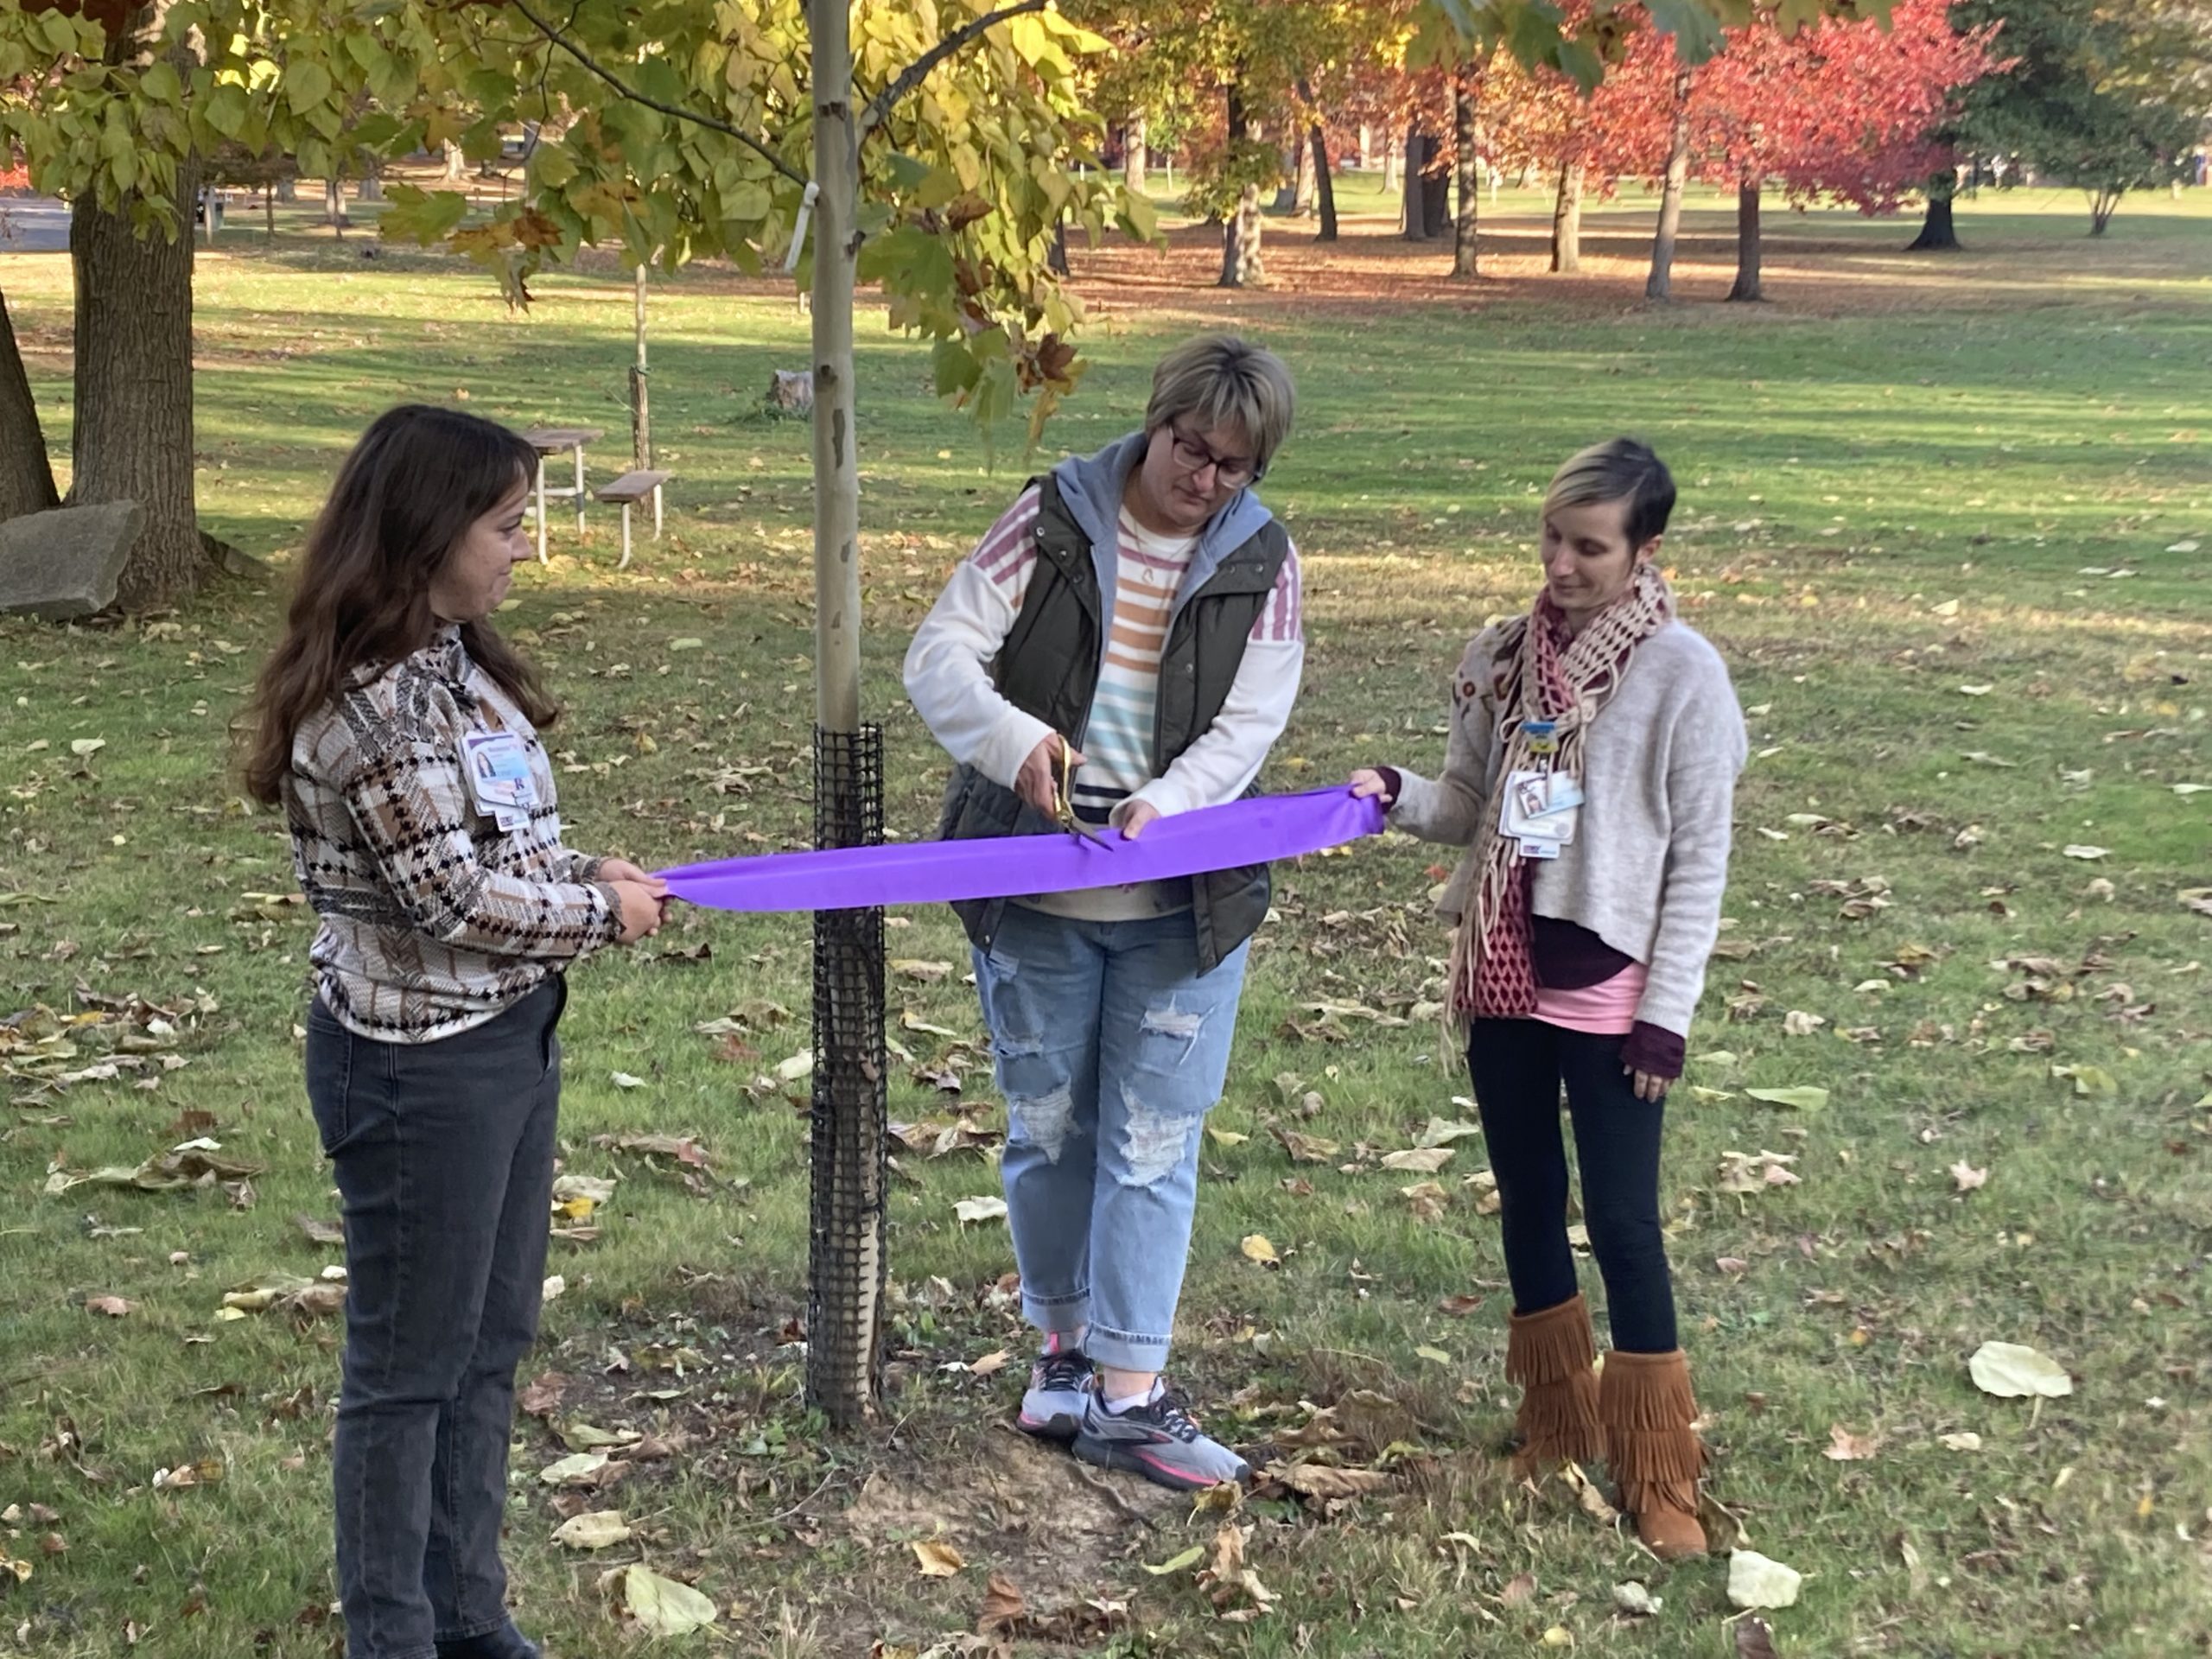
[1594, 747]
[1124, 643]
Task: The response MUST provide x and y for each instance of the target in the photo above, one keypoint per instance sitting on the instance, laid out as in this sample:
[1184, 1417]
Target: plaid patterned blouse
[434, 919]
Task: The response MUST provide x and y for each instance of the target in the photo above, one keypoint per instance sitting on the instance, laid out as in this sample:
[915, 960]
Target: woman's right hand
[1367, 783]
[640, 909]
[1039, 780]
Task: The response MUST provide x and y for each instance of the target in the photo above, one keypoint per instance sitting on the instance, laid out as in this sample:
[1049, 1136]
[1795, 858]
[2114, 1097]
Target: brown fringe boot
[1645, 1403]
[1551, 1355]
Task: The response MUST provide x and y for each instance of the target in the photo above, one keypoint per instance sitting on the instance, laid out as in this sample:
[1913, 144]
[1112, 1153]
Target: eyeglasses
[1231, 472]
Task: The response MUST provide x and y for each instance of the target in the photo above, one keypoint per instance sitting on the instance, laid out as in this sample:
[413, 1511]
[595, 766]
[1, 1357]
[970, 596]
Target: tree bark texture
[1241, 264]
[1302, 181]
[1392, 160]
[1749, 245]
[1467, 134]
[26, 474]
[1134, 156]
[134, 428]
[1939, 231]
[1418, 147]
[1566, 219]
[1660, 284]
[1325, 184]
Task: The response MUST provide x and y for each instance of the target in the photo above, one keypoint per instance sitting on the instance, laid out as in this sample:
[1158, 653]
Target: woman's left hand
[1648, 1087]
[621, 869]
[1132, 816]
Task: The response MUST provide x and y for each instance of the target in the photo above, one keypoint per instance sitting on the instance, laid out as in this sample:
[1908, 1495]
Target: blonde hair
[1220, 381]
[1617, 469]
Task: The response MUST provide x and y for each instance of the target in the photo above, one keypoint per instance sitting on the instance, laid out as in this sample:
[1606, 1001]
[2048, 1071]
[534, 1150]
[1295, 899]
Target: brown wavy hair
[406, 496]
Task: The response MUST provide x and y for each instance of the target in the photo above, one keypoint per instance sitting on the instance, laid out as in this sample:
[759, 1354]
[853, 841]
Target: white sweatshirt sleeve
[948, 666]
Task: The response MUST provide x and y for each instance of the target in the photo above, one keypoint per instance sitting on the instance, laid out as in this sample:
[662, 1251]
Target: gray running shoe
[1160, 1441]
[1059, 1392]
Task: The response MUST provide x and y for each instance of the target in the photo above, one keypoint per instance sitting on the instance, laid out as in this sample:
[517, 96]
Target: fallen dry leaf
[1324, 1480]
[1003, 1607]
[1256, 1248]
[937, 1560]
[1421, 1160]
[1843, 1446]
[114, 1307]
[2011, 1371]
[1967, 1176]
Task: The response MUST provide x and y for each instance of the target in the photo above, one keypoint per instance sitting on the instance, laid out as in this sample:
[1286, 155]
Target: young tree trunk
[1466, 135]
[1325, 184]
[641, 414]
[269, 211]
[2102, 205]
[1133, 157]
[1392, 158]
[1939, 231]
[288, 188]
[372, 186]
[1660, 284]
[456, 164]
[333, 206]
[134, 432]
[26, 475]
[1302, 186]
[1058, 259]
[1417, 151]
[848, 1263]
[1566, 219]
[1240, 266]
[1366, 148]
[1749, 246]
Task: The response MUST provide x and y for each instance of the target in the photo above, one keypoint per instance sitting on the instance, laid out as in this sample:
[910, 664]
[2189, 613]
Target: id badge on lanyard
[497, 768]
[1538, 807]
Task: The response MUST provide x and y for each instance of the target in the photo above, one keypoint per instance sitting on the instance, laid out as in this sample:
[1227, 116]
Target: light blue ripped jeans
[1112, 1048]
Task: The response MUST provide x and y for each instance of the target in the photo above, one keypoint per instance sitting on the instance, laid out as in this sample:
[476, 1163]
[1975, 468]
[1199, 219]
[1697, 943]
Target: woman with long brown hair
[399, 734]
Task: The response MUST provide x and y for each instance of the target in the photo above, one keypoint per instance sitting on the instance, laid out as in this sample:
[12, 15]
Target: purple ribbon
[1253, 831]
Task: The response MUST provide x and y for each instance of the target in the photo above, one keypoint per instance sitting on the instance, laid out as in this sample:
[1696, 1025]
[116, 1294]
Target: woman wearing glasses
[1124, 643]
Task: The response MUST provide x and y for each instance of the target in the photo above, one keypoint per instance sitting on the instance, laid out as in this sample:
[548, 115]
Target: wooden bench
[626, 493]
[551, 440]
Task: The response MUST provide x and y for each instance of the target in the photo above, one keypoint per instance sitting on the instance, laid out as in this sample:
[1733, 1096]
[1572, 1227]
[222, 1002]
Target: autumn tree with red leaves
[1848, 109]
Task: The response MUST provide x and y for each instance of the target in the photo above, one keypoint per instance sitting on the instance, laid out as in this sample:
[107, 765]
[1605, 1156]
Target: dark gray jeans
[443, 1153]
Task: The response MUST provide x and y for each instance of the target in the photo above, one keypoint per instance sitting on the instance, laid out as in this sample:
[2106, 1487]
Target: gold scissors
[1064, 806]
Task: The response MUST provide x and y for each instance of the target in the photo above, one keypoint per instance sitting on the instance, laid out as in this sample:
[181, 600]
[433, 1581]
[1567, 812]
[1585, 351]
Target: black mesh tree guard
[850, 1142]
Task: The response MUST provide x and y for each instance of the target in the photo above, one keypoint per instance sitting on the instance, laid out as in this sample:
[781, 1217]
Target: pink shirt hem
[1605, 1009]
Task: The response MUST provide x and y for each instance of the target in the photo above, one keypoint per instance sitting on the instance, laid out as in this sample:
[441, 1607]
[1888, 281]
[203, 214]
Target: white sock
[1130, 1401]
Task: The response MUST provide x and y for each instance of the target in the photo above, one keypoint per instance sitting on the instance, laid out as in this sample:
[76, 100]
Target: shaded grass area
[1932, 540]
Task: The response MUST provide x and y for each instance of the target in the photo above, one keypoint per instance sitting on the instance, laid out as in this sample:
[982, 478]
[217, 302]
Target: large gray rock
[63, 565]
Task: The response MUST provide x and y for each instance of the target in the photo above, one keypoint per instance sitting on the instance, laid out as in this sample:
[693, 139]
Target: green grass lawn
[1944, 519]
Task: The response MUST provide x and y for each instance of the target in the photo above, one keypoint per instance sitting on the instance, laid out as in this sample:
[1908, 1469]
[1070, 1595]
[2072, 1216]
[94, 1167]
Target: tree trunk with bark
[1566, 219]
[26, 474]
[1939, 231]
[1241, 264]
[1134, 156]
[1418, 145]
[1302, 186]
[333, 206]
[134, 430]
[1749, 245]
[1325, 183]
[1660, 284]
[372, 186]
[1392, 176]
[2104, 202]
[1467, 134]
[456, 164]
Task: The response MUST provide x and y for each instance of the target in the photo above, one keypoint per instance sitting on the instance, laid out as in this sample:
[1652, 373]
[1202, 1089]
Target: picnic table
[551, 440]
